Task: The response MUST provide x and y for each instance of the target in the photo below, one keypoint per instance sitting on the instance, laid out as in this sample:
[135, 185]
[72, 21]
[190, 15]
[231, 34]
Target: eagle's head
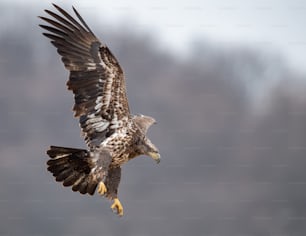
[144, 145]
[150, 150]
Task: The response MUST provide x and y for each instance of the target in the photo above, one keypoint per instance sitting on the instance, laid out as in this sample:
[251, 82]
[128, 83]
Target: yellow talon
[102, 188]
[117, 206]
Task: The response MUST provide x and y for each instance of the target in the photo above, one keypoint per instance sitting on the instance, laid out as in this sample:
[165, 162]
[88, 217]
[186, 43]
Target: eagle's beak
[155, 156]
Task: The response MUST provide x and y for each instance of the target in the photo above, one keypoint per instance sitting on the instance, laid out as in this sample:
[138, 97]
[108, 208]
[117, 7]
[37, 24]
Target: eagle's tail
[72, 167]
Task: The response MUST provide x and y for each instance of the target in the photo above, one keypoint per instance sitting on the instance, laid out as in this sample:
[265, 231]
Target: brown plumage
[113, 135]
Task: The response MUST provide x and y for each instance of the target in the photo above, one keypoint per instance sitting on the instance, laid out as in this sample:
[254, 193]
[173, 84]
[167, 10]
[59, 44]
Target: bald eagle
[112, 134]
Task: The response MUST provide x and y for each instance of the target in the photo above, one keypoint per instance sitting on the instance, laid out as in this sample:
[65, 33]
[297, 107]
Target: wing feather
[96, 78]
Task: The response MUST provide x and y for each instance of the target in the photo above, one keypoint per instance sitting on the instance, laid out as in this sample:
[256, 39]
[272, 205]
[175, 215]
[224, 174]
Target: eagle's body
[113, 135]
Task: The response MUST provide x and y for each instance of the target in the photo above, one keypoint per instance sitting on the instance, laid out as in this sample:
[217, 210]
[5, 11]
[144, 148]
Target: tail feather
[70, 180]
[72, 167]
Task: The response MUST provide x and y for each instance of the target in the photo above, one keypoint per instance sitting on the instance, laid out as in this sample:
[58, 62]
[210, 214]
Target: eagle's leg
[117, 207]
[102, 188]
[112, 182]
[104, 161]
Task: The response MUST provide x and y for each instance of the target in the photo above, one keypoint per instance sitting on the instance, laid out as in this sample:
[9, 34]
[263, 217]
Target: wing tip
[56, 6]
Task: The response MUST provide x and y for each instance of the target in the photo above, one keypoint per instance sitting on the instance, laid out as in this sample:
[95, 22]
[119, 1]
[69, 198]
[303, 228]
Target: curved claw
[102, 188]
[117, 207]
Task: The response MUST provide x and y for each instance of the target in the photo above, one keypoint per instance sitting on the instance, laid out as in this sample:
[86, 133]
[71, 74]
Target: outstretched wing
[96, 77]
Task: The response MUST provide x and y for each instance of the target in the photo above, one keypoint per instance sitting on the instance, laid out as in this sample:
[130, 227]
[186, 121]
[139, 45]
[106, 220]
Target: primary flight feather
[113, 135]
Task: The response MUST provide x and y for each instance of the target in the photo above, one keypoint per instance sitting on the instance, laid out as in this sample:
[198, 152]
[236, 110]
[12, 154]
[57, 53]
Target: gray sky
[277, 25]
[270, 24]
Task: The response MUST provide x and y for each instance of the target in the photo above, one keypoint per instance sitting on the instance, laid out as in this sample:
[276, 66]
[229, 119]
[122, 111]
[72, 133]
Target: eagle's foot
[102, 188]
[117, 207]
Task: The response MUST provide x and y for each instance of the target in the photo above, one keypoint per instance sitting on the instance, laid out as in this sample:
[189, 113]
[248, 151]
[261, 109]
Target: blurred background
[226, 82]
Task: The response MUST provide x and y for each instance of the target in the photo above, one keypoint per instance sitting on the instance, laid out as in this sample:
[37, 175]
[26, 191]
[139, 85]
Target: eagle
[112, 134]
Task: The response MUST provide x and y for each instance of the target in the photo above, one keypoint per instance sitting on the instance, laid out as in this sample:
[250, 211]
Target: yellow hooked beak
[155, 156]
